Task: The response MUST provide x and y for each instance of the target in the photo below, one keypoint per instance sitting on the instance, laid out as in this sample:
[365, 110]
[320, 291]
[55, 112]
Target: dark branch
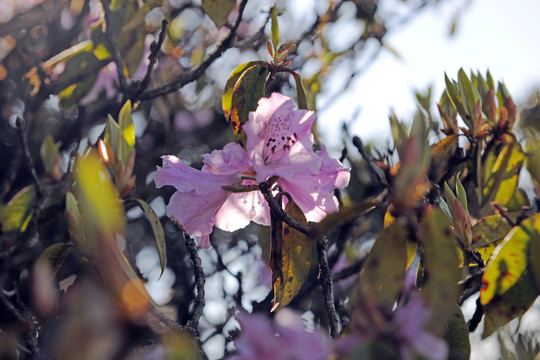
[194, 74]
[111, 39]
[193, 324]
[280, 213]
[155, 49]
[325, 278]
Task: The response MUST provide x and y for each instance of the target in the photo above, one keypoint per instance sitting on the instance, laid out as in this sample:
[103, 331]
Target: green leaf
[296, 249]
[99, 204]
[399, 133]
[488, 233]
[54, 256]
[247, 92]
[16, 214]
[510, 260]
[84, 62]
[385, 264]
[49, 153]
[126, 134]
[158, 232]
[75, 221]
[515, 302]
[501, 177]
[300, 92]
[456, 100]
[275, 30]
[120, 137]
[461, 194]
[533, 161]
[457, 336]
[470, 97]
[441, 265]
[218, 10]
[226, 101]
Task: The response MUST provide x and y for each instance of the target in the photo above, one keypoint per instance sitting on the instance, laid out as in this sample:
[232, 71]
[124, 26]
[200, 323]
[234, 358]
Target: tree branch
[111, 39]
[194, 74]
[155, 49]
[325, 278]
[280, 213]
[193, 324]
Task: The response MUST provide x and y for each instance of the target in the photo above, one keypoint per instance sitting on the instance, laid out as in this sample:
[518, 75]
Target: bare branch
[111, 39]
[194, 74]
[193, 324]
[325, 278]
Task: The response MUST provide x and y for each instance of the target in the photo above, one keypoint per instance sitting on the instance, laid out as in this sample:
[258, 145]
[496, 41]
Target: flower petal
[313, 193]
[232, 159]
[279, 139]
[199, 196]
[241, 208]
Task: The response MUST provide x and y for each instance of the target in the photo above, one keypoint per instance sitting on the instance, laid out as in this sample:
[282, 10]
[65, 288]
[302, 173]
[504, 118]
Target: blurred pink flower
[405, 327]
[284, 338]
[409, 322]
[279, 143]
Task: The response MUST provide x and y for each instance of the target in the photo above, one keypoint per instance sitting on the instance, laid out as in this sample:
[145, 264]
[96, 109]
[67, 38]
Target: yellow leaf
[296, 251]
[509, 260]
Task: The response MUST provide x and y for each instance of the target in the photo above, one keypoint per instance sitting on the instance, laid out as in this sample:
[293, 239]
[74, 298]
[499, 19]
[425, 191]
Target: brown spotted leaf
[295, 259]
[246, 94]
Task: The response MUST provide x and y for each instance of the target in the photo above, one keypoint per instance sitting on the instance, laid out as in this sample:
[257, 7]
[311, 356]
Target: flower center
[279, 138]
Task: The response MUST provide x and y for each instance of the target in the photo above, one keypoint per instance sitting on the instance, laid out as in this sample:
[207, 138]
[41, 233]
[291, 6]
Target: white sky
[502, 36]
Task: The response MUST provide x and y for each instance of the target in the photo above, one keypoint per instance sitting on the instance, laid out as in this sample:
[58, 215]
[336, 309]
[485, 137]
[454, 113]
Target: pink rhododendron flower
[409, 322]
[406, 326]
[284, 338]
[279, 143]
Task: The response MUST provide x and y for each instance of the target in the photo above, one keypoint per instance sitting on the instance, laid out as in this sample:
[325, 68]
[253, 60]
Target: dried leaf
[296, 249]
[248, 90]
[226, 101]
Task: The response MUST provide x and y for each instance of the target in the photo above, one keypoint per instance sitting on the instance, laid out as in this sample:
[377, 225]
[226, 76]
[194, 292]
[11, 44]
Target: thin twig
[276, 209]
[325, 278]
[194, 74]
[373, 168]
[21, 131]
[477, 316]
[155, 49]
[193, 324]
[9, 176]
[111, 39]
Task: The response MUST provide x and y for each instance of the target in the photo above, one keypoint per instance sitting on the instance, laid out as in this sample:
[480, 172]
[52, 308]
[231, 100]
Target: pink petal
[241, 208]
[232, 159]
[279, 139]
[314, 193]
[199, 196]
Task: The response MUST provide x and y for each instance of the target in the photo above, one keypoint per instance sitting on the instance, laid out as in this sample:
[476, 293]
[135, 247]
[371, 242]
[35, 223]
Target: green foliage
[17, 213]
[218, 10]
[158, 232]
[385, 265]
